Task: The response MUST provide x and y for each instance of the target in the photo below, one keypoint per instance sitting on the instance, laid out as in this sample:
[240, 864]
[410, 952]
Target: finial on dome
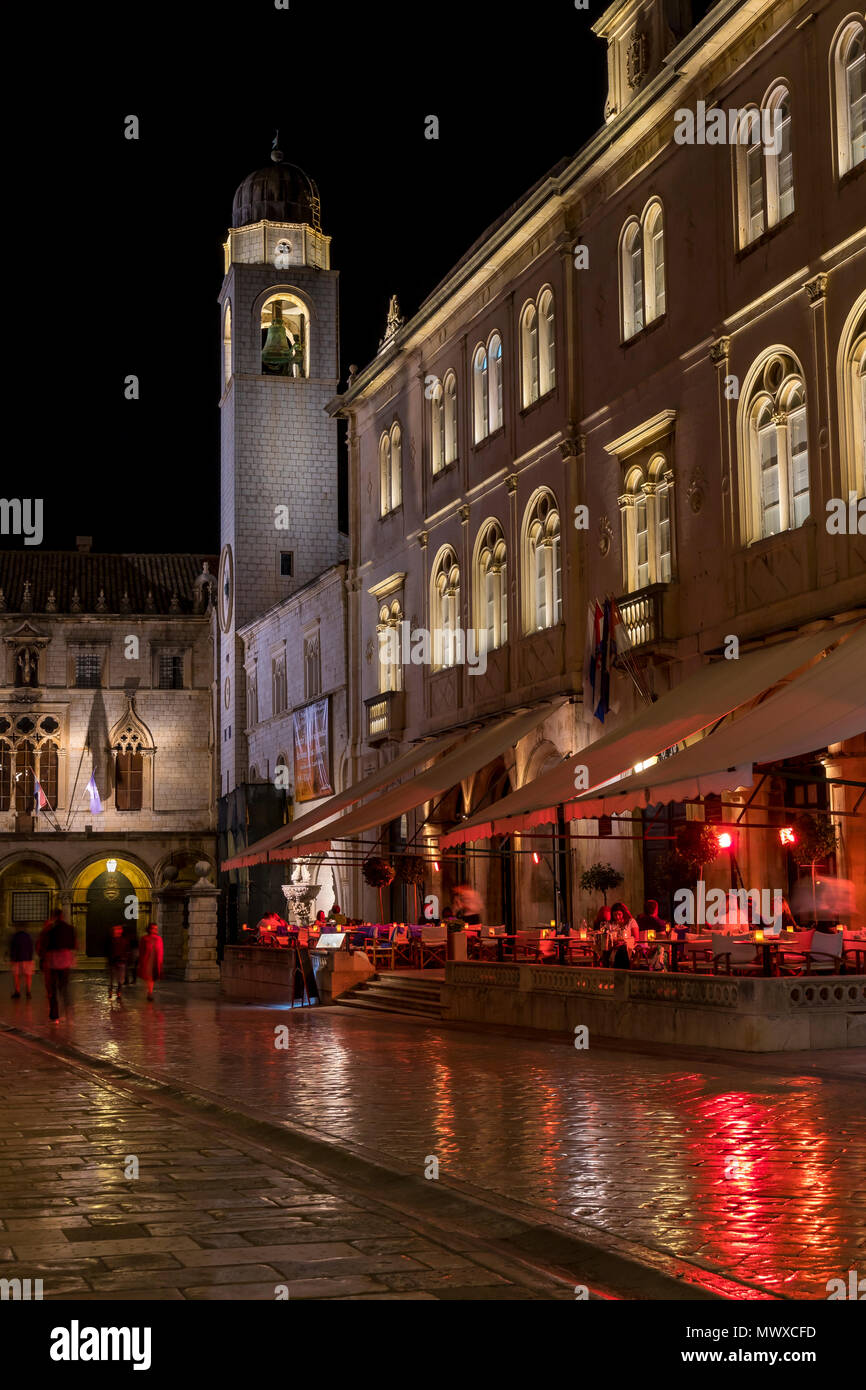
[276, 152]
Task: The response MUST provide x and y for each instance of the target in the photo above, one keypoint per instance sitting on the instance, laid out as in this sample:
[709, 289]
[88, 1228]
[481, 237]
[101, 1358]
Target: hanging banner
[311, 731]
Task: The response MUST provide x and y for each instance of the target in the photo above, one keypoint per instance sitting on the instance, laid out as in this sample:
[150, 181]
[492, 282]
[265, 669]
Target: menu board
[311, 730]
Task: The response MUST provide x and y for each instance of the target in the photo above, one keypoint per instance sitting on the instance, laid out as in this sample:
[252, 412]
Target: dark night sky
[349, 88]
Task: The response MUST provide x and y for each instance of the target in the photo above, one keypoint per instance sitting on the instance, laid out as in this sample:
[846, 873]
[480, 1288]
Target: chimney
[83, 544]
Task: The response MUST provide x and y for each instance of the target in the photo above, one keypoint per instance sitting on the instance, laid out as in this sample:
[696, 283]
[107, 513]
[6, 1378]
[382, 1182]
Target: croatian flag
[93, 793]
[592, 667]
[39, 797]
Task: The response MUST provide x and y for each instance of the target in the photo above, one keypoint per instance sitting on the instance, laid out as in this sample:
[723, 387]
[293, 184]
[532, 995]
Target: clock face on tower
[226, 588]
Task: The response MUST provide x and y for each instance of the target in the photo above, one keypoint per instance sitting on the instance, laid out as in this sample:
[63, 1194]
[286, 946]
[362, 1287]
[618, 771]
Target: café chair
[431, 946]
[822, 956]
[527, 945]
[732, 957]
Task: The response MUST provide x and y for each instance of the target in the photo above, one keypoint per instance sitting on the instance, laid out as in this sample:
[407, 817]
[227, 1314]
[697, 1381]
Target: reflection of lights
[111, 865]
[787, 836]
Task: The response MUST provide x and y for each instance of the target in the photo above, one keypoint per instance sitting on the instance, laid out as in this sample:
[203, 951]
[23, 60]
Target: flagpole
[72, 797]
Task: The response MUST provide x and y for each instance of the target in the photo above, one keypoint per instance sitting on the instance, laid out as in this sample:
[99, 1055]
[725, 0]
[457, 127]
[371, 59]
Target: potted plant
[600, 878]
[410, 870]
[815, 841]
[379, 874]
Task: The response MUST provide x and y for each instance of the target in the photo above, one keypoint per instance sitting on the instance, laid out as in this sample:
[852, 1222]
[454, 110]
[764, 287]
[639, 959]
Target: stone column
[202, 902]
[169, 914]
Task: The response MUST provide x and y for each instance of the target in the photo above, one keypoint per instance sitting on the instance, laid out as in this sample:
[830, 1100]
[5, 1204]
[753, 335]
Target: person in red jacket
[150, 953]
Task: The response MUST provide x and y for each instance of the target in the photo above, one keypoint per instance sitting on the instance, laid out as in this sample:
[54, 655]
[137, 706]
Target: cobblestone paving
[204, 1219]
[758, 1176]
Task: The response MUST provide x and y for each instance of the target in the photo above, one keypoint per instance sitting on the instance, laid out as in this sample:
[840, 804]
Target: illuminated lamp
[436, 865]
[553, 924]
[787, 836]
[111, 865]
[651, 936]
[759, 933]
[725, 839]
[535, 857]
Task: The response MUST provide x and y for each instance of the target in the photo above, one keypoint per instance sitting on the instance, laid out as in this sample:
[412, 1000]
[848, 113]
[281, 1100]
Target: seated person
[649, 919]
[336, 916]
[624, 935]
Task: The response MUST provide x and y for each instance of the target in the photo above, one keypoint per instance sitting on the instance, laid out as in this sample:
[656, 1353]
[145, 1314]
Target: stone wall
[745, 1014]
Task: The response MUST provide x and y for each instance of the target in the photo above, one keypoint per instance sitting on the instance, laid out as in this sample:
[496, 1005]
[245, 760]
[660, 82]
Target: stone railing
[747, 1013]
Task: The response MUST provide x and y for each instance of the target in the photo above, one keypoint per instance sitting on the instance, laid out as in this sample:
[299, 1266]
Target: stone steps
[394, 994]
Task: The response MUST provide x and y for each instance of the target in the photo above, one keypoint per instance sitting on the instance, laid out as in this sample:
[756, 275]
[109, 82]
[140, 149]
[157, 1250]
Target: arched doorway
[29, 891]
[107, 893]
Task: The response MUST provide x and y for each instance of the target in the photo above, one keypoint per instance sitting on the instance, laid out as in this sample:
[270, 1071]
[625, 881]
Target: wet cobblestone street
[759, 1174]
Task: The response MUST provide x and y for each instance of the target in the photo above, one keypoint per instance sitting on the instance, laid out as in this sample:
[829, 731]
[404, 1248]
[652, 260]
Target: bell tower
[278, 446]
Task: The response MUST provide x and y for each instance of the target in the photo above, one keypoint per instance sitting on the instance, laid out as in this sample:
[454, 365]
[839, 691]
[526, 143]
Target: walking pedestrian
[60, 959]
[41, 955]
[118, 955]
[130, 933]
[21, 956]
[150, 954]
[468, 904]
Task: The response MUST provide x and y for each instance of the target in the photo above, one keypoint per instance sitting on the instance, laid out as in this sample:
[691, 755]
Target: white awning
[820, 706]
[407, 763]
[464, 760]
[695, 704]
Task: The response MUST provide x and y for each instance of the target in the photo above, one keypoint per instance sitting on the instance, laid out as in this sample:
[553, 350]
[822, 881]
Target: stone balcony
[643, 613]
[386, 716]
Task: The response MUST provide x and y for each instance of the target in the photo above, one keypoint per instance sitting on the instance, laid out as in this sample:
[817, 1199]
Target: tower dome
[280, 192]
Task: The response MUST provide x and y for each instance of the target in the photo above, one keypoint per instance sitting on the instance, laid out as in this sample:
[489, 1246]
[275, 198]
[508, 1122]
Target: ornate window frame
[490, 585]
[852, 30]
[772, 416]
[541, 553]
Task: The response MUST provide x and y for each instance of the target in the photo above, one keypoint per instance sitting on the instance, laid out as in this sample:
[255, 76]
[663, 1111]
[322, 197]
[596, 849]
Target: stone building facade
[644, 381]
[105, 686]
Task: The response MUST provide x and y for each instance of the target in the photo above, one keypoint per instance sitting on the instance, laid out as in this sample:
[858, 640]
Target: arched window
[662, 480]
[851, 378]
[252, 700]
[537, 348]
[848, 96]
[285, 325]
[227, 346]
[450, 417]
[6, 758]
[631, 279]
[647, 540]
[654, 260]
[25, 779]
[445, 609]
[480, 394]
[437, 427]
[390, 470]
[389, 634]
[542, 564]
[774, 447]
[780, 160]
[487, 388]
[749, 157]
[48, 770]
[546, 342]
[529, 353]
[491, 587]
[494, 357]
[128, 780]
